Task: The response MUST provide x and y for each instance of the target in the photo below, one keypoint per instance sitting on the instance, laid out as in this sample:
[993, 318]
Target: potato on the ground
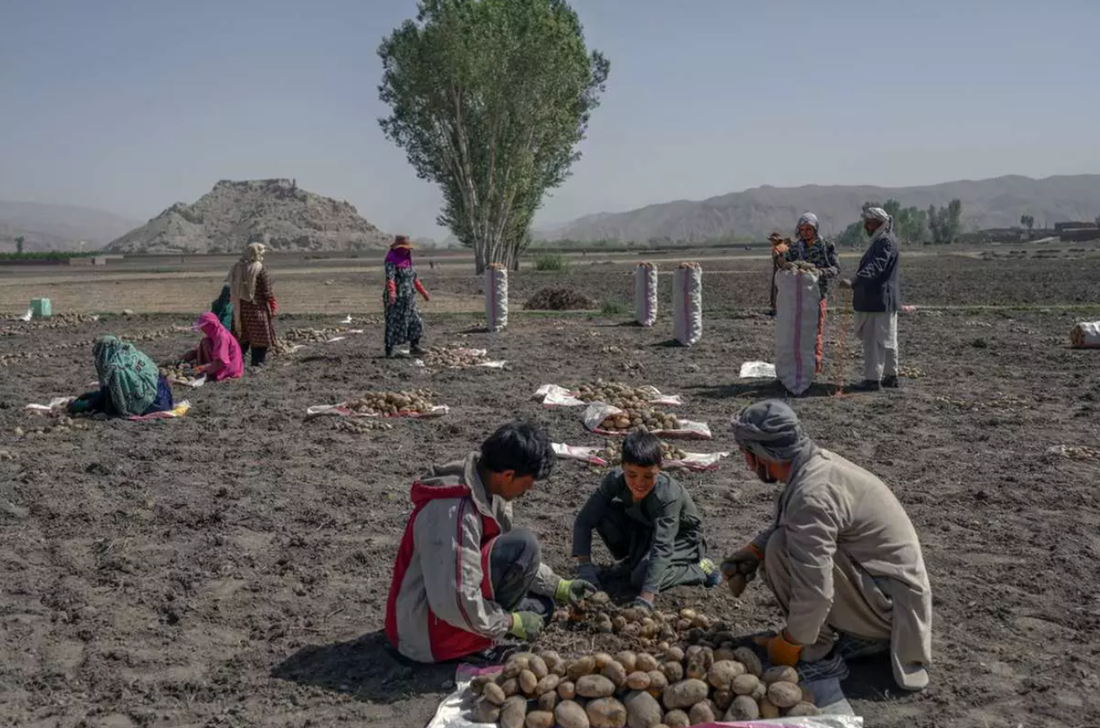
[615, 672]
[781, 673]
[606, 713]
[638, 680]
[768, 709]
[745, 684]
[510, 687]
[674, 671]
[646, 662]
[677, 719]
[657, 683]
[567, 690]
[628, 659]
[743, 708]
[723, 699]
[571, 715]
[580, 667]
[513, 712]
[595, 686]
[722, 674]
[784, 694]
[602, 658]
[749, 659]
[642, 710]
[527, 682]
[804, 709]
[674, 654]
[685, 693]
[538, 666]
[547, 684]
[539, 719]
[701, 713]
[548, 701]
[493, 693]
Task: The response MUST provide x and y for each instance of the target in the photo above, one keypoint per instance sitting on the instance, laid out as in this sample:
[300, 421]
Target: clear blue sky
[131, 105]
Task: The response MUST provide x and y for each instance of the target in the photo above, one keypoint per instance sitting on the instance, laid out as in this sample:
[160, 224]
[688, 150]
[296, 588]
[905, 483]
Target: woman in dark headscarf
[222, 307]
[403, 322]
[254, 304]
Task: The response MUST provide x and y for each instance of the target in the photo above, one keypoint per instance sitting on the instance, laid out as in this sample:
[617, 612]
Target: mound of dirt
[276, 212]
[558, 299]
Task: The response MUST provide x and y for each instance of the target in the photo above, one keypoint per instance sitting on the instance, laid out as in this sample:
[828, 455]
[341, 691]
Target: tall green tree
[19, 244]
[489, 99]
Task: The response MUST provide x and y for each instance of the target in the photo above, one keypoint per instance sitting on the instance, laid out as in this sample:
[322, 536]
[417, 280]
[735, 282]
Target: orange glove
[391, 289]
[274, 306]
[420, 288]
[782, 650]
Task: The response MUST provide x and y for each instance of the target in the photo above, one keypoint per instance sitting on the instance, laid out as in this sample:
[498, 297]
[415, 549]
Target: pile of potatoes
[64, 423]
[801, 266]
[413, 401]
[181, 371]
[612, 452]
[442, 357]
[311, 335]
[646, 420]
[616, 394]
[361, 426]
[673, 688]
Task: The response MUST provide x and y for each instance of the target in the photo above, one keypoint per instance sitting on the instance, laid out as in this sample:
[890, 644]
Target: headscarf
[808, 218]
[770, 429]
[220, 346]
[129, 376]
[222, 307]
[877, 213]
[400, 253]
[242, 279]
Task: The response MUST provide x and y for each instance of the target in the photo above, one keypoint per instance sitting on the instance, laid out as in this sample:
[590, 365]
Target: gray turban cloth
[770, 429]
[808, 218]
[877, 213]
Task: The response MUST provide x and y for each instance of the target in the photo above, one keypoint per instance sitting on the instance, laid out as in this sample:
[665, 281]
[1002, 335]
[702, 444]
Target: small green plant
[551, 262]
[612, 307]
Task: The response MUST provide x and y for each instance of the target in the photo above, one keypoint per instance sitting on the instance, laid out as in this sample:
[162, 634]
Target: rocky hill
[990, 203]
[57, 227]
[274, 211]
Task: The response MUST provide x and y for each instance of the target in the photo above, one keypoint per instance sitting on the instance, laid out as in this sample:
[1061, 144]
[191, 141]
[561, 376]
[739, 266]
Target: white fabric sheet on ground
[455, 711]
[697, 462]
[554, 396]
[757, 370]
[55, 404]
[597, 412]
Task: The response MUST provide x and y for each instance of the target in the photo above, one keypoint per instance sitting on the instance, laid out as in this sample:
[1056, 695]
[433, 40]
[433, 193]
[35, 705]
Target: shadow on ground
[365, 668]
[771, 389]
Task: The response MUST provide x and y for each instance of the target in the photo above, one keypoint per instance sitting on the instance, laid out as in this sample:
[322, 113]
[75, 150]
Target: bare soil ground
[231, 568]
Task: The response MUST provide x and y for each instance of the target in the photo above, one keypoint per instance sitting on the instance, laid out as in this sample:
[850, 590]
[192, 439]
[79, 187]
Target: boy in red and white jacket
[464, 578]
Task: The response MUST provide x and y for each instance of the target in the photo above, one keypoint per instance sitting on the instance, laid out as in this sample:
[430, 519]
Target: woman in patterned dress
[254, 304]
[403, 322]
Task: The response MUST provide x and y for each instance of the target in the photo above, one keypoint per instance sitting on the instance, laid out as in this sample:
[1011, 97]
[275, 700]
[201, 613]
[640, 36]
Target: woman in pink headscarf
[218, 355]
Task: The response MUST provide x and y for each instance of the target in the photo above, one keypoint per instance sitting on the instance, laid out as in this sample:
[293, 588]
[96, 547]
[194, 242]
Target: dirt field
[231, 568]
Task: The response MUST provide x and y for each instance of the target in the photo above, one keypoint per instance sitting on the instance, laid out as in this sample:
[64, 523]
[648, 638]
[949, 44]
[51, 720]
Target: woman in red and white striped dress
[254, 304]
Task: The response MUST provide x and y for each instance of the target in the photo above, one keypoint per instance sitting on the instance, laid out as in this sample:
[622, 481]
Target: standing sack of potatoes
[645, 294]
[687, 304]
[796, 313]
[496, 296]
[1085, 335]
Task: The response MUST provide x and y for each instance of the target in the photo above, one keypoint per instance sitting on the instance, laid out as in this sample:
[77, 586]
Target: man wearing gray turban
[811, 248]
[841, 556]
[875, 301]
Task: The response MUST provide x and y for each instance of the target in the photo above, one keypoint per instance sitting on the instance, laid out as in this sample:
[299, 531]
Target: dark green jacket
[668, 512]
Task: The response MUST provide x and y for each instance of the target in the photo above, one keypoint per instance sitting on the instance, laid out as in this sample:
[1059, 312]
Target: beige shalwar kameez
[843, 556]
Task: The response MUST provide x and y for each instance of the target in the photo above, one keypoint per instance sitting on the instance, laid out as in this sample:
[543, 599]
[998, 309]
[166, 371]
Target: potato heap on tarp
[62, 423]
[359, 426]
[410, 402]
[612, 452]
[458, 358]
[645, 420]
[312, 335]
[616, 394]
[180, 371]
[670, 683]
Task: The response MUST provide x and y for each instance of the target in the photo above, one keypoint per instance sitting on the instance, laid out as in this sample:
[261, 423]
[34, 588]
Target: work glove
[420, 288]
[273, 306]
[643, 603]
[527, 626]
[391, 291]
[782, 650]
[573, 591]
[589, 573]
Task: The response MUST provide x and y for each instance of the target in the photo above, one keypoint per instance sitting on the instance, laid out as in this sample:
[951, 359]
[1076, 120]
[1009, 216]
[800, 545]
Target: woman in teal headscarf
[222, 307]
[129, 382]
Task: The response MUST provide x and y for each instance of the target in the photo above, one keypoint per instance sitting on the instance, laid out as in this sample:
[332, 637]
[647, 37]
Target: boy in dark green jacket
[648, 522]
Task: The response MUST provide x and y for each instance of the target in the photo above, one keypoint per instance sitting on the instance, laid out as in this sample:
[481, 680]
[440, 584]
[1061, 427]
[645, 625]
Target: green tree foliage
[19, 244]
[489, 99]
[910, 224]
[945, 223]
[852, 237]
[1028, 221]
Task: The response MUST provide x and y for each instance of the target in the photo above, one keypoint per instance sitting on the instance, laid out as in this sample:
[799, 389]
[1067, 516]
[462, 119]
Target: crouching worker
[218, 355]
[842, 557]
[464, 577]
[129, 383]
[648, 522]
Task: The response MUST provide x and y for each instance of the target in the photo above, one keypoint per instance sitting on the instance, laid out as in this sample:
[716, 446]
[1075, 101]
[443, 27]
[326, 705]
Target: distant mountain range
[58, 227]
[989, 203]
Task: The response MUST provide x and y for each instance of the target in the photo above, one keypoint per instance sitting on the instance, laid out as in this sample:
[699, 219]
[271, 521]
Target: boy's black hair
[520, 446]
[642, 449]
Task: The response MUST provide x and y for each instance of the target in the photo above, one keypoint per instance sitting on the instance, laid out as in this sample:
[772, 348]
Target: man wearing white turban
[841, 556]
[875, 301]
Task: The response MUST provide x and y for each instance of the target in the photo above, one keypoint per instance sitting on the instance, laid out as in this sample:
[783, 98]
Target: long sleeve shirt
[822, 255]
